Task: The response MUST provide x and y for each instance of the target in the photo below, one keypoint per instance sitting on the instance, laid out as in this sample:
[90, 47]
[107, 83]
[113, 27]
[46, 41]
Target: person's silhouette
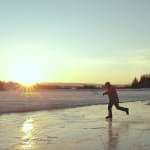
[113, 100]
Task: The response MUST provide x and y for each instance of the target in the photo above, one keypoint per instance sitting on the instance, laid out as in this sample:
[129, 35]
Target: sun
[26, 74]
[27, 83]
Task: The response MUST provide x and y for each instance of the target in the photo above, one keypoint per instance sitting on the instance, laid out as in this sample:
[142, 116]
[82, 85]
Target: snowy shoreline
[13, 102]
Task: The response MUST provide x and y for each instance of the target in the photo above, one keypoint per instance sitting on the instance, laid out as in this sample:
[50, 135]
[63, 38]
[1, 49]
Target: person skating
[113, 100]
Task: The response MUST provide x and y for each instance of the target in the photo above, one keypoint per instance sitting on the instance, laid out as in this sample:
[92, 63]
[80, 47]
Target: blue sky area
[74, 40]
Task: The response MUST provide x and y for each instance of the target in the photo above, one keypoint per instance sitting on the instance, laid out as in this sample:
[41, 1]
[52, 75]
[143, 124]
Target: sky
[90, 41]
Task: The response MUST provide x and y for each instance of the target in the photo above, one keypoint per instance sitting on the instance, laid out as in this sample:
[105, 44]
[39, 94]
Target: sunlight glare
[27, 126]
[27, 129]
[26, 74]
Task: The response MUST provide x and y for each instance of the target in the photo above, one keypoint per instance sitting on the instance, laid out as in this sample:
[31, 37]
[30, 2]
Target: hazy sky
[74, 40]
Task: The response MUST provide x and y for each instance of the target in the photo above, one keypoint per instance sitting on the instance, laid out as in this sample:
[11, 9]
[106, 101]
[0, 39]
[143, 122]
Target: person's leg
[109, 111]
[122, 108]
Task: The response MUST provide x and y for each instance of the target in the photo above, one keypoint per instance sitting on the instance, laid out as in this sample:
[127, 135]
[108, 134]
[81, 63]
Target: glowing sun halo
[26, 74]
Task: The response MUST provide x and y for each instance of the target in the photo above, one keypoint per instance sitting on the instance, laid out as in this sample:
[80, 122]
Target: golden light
[27, 126]
[27, 129]
[28, 69]
[26, 73]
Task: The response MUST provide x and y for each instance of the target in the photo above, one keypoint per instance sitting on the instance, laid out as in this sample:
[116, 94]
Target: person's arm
[109, 91]
[105, 93]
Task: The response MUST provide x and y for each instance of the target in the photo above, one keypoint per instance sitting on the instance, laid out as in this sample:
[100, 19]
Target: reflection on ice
[77, 129]
[27, 126]
[27, 129]
[112, 137]
[114, 134]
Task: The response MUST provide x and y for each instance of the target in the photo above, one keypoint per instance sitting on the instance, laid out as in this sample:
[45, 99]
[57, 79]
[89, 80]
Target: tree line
[143, 82]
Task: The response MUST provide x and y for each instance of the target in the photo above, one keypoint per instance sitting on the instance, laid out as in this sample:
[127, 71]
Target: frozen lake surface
[19, 101]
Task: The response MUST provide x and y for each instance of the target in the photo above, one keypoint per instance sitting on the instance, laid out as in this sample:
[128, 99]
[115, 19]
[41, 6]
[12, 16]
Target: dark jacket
[112, 94]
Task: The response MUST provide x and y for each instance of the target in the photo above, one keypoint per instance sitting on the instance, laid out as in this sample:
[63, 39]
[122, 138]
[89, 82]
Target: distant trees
[67, 86]
[8, 85]
[2, 85]
[144, 82]
[135, 83]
